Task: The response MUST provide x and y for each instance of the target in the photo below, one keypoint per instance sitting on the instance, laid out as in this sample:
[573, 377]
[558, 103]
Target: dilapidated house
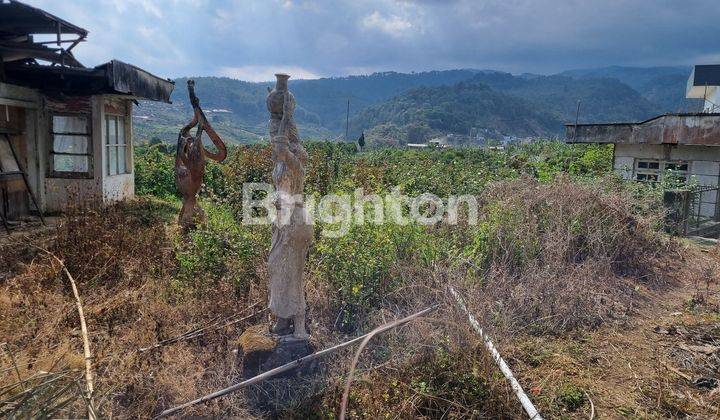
[684, 146]
[65, 129]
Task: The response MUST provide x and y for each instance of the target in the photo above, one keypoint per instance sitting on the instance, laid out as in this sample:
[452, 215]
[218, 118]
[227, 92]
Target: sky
[253, 39]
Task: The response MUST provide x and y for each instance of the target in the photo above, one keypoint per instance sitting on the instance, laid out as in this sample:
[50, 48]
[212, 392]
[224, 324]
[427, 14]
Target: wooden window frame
[52, 173]
[117, 146]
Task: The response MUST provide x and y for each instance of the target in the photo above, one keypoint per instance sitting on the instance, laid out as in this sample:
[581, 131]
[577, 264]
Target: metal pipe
[527, 405]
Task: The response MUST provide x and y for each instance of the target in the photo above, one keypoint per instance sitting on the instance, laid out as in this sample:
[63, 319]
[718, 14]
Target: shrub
[154, 172]
[221, 248]
[553, 256]
[357, 265]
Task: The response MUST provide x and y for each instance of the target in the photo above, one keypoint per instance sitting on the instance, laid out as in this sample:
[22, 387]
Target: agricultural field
[597, 311]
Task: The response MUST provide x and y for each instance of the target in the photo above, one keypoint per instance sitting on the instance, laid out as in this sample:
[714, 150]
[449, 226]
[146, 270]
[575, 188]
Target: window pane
[120, 130]
[112, 160]
[111, 132]
[121, 159]
[654, 165]
[65, 163]
[70, 144]
[642, 165]
[70, 124]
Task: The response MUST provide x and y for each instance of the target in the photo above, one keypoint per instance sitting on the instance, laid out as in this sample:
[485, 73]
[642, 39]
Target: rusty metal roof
[700, 129]
[113, 77]
[18, 19]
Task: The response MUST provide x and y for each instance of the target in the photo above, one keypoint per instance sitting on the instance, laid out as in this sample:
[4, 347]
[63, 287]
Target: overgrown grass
[559, 247]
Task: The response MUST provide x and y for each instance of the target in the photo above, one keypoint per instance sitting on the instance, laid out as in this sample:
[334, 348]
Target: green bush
[154, 172]
[358, 265]
[221, 248]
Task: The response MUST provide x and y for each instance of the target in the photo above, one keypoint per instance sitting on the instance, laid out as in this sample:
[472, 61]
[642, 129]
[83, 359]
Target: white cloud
[148, 6]
[265, 73]
[392, 25]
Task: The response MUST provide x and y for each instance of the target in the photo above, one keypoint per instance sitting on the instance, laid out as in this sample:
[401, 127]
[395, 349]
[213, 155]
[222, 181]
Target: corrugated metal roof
[17, 19]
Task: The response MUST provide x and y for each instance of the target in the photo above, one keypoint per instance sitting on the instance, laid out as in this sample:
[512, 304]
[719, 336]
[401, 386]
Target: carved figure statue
[190, 160]
[291, 231]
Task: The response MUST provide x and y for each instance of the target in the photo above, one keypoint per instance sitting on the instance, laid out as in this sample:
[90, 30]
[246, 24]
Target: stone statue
[190, 160]
[291, 232]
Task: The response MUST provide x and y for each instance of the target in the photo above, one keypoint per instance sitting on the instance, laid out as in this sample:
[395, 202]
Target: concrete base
[260, 351]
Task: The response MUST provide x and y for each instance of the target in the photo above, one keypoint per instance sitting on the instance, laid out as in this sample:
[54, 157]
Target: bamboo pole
[292, 365]
[530, 409]
[83, 330]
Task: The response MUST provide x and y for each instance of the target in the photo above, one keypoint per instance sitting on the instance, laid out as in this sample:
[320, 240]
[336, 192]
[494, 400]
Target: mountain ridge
[606, 94]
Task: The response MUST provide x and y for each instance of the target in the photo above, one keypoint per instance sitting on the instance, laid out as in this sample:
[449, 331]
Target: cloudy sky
[252, 39]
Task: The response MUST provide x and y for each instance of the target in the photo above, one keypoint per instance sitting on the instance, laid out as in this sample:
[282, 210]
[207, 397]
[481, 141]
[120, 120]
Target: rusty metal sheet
[674, 129]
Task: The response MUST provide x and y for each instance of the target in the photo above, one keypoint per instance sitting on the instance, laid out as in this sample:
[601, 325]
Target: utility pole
[577, 116]
[347, 120]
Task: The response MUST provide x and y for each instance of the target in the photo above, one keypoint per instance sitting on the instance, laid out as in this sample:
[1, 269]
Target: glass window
[70, 154]
[116, 145]
[655, 170]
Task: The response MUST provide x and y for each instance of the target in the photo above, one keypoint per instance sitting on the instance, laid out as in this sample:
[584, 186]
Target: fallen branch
[368, 337]
[677, 372]
[592, 406]
[197, 332]
[292, 365]
[524, 400]
[83, 330]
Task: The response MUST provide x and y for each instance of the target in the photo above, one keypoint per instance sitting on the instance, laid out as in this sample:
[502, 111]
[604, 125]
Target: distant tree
[361, 141]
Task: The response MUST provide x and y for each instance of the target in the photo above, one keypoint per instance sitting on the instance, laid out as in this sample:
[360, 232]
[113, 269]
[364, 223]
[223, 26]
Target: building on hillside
[65, 129]
[703, 84]
[683, 146]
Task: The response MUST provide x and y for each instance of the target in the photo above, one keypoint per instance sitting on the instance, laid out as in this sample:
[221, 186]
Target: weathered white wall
[704, 164]
[121, 186]
[55, 194]
[712, 99]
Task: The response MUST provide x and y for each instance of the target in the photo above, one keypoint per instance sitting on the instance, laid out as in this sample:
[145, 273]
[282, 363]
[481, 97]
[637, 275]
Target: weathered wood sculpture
[190, 160]
[291, 231]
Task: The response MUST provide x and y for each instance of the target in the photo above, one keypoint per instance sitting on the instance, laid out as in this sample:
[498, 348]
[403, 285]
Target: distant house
[685, 146]
[65, 129]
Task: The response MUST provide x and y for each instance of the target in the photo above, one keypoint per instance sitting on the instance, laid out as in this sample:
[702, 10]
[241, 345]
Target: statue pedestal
[260, 351]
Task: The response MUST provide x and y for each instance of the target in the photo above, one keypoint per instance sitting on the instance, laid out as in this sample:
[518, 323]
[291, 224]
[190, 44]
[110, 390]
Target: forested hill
[237, 108]
[425, 112]
[663, 86]
[601, 99]
[322, 104]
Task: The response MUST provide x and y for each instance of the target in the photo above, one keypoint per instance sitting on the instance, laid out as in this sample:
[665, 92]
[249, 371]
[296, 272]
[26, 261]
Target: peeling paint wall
[121, 186]
[704, 165]
[34, 112]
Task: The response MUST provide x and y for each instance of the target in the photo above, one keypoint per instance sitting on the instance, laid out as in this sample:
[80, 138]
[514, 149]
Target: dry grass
[558, 259]
[123, 264]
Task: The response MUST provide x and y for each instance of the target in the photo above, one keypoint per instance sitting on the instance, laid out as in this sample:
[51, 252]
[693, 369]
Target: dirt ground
[663, 363]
